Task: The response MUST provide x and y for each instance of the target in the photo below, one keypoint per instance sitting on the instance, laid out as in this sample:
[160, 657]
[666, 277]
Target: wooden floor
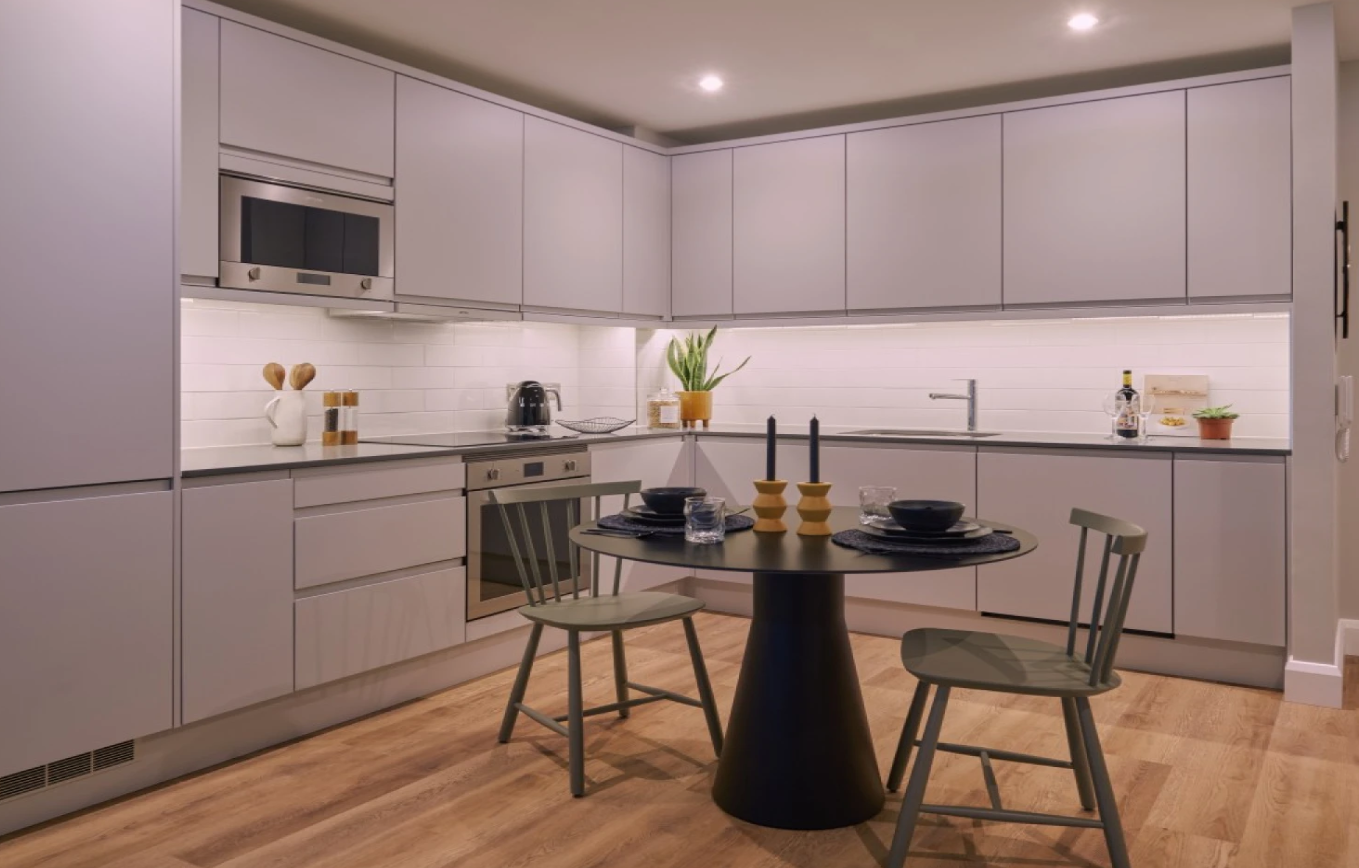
[1208, 776]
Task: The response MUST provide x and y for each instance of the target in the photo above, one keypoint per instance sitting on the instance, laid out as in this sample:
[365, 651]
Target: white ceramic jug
[287, 416]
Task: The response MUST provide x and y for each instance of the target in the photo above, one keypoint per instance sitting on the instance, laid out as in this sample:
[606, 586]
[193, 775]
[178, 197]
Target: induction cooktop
[460, 439]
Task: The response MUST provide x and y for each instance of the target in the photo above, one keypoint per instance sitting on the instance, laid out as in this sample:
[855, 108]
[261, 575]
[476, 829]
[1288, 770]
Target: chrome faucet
[970, 398]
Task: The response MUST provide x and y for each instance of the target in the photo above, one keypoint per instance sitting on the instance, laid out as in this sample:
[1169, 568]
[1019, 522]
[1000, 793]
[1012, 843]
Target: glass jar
[663, 409]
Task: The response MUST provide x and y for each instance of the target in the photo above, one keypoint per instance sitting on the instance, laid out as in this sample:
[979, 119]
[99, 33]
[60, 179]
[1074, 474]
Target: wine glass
[1114, 405]
[1146, 408]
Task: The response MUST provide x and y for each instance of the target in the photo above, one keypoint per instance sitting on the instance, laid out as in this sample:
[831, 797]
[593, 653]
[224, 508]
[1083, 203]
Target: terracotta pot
[696, 407]
[1215, 429]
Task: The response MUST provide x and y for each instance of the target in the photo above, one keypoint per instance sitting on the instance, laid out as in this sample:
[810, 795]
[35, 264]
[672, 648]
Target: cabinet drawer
[362, 542]
[350, 484]
[353, 631]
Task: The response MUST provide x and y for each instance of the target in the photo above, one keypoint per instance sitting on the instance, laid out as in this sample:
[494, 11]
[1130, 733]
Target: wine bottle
[1126, 423]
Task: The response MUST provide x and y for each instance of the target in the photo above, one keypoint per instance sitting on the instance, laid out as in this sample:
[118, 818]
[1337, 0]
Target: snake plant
[688, 359]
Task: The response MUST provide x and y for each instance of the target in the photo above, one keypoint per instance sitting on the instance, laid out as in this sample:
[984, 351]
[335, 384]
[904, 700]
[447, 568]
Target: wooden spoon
[302, 375]
[273, 375]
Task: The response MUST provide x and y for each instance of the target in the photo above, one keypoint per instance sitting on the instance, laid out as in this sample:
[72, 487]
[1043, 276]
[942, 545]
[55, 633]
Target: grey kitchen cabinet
[346, 632]
[923, 216]
[573, 219]
[1231, 549]
[236, 597]
[199, 142]
[460, 182]
[86, 624]
[701, 234]
[1037, 491]
[646, 233]
[1094, 201]
[788, 227]
[934, 473]
[284, 97]
[370, 538]
[89, 216]
[653, 463]
[1240, 189]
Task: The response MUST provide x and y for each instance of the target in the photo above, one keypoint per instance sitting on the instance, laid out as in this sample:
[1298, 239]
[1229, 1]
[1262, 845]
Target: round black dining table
[798, 753]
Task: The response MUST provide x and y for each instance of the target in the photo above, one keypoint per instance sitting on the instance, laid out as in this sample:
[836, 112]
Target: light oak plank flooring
[1209, 776]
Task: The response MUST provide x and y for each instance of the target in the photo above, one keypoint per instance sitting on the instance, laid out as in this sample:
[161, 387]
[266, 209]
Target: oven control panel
[543, 467]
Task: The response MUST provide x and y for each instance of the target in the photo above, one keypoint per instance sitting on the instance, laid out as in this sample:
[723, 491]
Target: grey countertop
[216, 460]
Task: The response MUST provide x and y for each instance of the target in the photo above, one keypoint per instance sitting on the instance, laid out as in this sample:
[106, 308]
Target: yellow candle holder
[769, 506]
[814, 508]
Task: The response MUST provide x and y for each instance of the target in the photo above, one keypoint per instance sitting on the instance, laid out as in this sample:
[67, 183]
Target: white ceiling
[797, 63]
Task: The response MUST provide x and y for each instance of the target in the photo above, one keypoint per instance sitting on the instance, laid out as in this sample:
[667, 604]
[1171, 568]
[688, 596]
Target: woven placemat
[622, 522]
[992, 544]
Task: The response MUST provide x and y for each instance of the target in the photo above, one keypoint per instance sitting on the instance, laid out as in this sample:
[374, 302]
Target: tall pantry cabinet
[87, 439]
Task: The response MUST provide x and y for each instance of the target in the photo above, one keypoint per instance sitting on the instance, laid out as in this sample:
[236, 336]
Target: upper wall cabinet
[701, 234]
[1240, 189]
[646, 233]
[198, 185]
[789, 227]
[924, 216]
[460, 182]
[1095, 201]
[89, 226]
[284, 97]
[573, 218]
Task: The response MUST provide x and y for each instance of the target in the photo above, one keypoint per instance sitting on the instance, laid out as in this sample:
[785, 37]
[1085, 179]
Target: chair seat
[993, 661]
[612, 612]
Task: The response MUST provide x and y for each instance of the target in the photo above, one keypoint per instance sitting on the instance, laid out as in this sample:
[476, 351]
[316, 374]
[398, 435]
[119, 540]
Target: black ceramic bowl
[926, 515]
[670, 501]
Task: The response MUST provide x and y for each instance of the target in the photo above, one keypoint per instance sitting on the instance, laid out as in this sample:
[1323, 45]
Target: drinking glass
[1146, 407]
[705, 520]
[873, 500]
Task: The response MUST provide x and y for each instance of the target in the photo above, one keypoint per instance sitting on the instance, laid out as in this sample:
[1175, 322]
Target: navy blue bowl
[670, 501]
[926, 515]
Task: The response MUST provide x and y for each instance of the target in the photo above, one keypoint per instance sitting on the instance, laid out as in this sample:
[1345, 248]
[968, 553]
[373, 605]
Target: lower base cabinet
[1037, 491]
[86, 624]
[1231, 549]
[237, 595]
[346, 632]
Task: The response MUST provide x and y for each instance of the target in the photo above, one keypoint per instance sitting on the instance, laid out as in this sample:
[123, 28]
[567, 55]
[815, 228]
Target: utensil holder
[769, 506]
[814, 508]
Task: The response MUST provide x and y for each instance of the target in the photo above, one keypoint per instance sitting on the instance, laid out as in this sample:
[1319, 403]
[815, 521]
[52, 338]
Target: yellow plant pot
[696, 407]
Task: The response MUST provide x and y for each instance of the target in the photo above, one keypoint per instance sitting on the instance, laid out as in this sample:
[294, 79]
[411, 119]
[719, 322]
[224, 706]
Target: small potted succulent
[1215, 423]
[688, 359]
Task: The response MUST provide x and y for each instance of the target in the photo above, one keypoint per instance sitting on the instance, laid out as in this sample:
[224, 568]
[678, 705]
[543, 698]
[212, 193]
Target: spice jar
[331, 418]
[663, 409]
[349, 417]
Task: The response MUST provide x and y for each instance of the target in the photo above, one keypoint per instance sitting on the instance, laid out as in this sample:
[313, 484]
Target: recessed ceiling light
[711, 83]
[1083, 21]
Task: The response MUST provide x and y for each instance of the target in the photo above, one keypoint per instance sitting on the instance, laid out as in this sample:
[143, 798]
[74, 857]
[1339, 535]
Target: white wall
[412, 377]
[1348, 351]
[1049, 375]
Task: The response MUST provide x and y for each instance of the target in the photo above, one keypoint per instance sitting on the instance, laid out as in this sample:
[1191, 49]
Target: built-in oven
[281, 238]
[493, 582]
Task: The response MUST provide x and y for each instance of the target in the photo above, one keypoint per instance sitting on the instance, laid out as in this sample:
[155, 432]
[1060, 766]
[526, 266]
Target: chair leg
[1080, 761]
[520, 683]
[575, 721]
[705, 688]
[620, 672]
[920, 773]
[908, 733]
[1104, 791]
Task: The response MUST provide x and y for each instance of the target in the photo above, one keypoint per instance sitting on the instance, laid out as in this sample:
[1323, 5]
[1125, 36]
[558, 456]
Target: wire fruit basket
[597, 425]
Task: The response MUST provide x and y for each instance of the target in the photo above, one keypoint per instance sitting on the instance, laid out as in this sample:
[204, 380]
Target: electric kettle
[529, 409]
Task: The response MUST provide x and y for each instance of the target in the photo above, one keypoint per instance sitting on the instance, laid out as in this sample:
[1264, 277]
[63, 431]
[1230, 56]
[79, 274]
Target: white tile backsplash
[413, 377]
[1033, 375]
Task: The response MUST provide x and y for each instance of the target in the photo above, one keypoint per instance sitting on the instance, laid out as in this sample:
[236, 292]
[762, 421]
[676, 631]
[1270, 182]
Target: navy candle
[769, 443]
[816, 450]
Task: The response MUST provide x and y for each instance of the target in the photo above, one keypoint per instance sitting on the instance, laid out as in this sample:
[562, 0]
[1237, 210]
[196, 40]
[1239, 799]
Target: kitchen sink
[919, 432]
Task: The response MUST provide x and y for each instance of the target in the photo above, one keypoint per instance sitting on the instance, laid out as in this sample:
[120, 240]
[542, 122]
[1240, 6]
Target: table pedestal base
[798, 753]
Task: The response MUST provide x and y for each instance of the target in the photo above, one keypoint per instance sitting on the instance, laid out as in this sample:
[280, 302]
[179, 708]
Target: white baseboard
[1349, 628]
[1322, 684]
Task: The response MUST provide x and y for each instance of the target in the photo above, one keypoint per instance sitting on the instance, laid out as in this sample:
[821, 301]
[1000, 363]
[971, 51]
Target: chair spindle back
[1105, 626]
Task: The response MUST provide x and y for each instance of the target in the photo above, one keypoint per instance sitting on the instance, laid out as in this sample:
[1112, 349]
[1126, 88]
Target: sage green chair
[947, 659]
[613, 613]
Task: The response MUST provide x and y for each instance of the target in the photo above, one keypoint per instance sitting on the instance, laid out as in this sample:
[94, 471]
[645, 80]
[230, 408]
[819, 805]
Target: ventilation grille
[41, 777]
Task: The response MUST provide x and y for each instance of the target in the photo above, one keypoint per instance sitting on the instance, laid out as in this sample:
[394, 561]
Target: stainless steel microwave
[279, 238]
